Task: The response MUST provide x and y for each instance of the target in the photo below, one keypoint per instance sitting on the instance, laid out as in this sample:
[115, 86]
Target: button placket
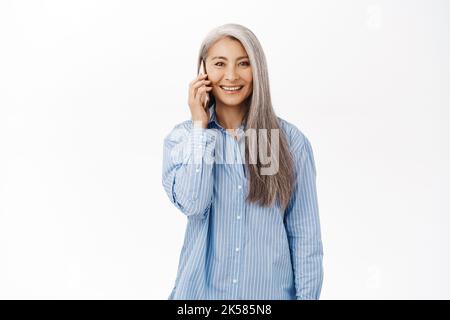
[238, 245]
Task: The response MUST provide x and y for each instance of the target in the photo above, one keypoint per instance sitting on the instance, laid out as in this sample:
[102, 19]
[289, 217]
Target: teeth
[231, 88]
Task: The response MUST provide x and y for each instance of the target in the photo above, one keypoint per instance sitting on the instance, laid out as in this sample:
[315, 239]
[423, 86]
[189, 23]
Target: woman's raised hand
[198, 90]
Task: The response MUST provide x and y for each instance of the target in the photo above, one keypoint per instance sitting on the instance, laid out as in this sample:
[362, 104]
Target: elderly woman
[253, 229]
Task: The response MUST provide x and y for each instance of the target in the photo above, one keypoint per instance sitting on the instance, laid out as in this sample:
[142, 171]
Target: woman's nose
[231, 74]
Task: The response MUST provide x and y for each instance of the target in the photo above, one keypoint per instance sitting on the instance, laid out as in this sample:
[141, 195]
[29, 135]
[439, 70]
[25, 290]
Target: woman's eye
[245, 63]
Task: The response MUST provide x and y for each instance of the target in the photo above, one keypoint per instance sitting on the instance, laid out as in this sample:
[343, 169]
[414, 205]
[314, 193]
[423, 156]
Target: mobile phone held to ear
[203, 71]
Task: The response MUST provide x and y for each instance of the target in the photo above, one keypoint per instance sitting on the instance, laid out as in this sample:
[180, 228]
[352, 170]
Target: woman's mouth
[231, 90]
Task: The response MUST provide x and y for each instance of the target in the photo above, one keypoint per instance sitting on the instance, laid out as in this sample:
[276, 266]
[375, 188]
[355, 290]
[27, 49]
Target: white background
[89, 89]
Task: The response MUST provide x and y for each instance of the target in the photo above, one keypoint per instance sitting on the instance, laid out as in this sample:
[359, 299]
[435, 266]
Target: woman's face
[227, 64]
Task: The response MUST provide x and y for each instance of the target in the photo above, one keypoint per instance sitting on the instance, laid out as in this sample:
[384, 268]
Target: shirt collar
[213, 119]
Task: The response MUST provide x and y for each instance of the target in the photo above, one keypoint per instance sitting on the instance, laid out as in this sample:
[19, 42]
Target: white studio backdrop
[89, 89]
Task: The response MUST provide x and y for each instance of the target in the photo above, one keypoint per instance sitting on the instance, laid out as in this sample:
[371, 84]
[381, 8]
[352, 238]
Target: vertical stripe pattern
[233, 249]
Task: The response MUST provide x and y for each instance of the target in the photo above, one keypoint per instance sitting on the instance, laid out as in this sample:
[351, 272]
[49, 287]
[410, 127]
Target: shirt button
[197, 170]
[238, 217]
[237, 249]
[239, 186]
[234, 280]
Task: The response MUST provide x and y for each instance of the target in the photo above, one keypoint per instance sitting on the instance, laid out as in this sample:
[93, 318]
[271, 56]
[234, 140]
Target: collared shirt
[234, 249]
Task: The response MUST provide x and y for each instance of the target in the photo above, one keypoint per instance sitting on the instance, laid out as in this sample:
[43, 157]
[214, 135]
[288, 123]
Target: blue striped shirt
[235, 250]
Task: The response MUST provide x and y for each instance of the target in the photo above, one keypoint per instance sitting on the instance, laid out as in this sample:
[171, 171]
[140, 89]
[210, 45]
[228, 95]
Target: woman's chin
[231, 100]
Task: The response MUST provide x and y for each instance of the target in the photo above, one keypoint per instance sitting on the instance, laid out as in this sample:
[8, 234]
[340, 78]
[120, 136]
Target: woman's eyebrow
[224, 58]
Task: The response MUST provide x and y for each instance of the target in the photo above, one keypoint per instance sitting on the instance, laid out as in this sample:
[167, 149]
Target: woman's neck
[230, 117]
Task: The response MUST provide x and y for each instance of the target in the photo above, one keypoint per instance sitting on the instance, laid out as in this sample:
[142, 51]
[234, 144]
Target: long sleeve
[303, 225]
[187, 175]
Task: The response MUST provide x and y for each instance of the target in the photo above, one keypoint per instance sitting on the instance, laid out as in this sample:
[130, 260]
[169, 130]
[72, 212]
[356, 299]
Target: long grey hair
[264, 189]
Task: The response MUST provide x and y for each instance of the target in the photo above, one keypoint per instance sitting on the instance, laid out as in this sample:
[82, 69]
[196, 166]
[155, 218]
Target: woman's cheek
[215, 90]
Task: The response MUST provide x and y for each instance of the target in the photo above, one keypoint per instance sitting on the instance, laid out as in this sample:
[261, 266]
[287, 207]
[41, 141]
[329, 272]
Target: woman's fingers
[198, 84]
[198, 89]
[202, 96]
[203, 89]
[199, 78]
[200, 92]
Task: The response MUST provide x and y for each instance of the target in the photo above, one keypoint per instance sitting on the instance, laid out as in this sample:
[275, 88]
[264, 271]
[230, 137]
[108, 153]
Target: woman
[253, 228]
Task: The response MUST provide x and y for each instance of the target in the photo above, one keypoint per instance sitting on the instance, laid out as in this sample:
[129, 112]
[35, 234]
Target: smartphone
[203, 71]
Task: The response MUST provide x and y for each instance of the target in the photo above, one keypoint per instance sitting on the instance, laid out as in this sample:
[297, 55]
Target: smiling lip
[231, 92]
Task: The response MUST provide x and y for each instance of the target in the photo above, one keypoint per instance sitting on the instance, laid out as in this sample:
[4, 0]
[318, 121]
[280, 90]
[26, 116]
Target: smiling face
[228, 65]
